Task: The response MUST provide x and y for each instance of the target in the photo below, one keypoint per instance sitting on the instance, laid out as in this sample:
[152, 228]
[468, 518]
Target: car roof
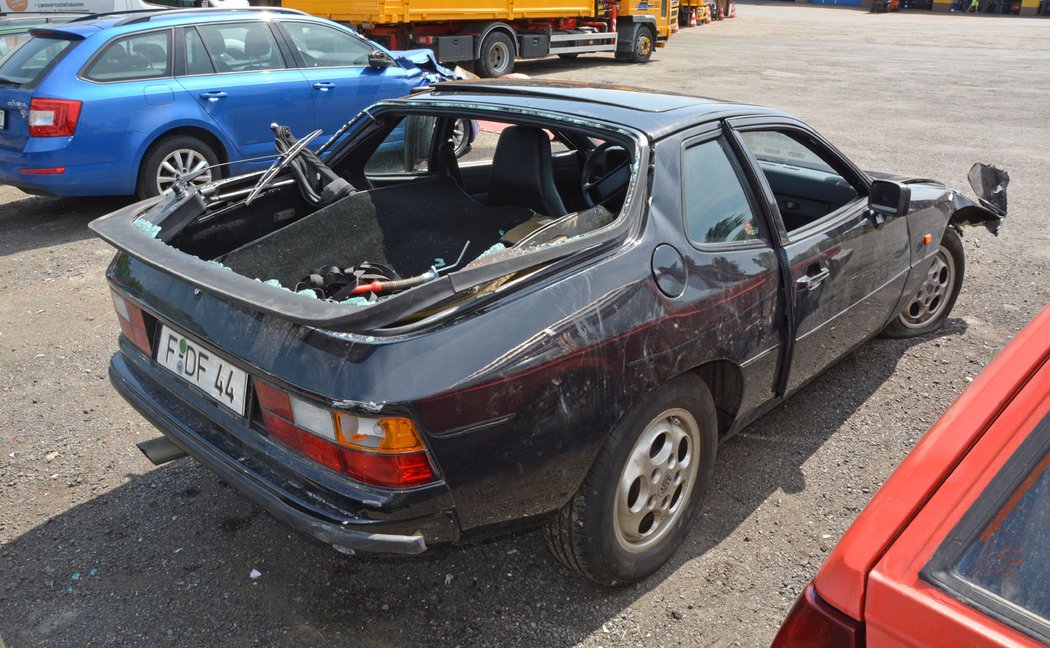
[130, 21]
[652, 112]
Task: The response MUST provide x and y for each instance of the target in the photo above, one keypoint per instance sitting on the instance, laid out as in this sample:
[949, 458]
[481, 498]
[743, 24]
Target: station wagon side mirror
[889, 198]
[379, 60]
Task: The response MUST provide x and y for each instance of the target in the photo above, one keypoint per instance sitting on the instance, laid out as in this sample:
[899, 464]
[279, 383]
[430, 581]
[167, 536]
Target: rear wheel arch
[206, 138]
[203, 134]
[488, 28]
[589, 534]
[725, 380]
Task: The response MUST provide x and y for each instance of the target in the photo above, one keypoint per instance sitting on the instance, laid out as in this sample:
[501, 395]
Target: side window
[142, 56]
[11, 41]
[323, 46]
[996, 556]
[717, 209]
[26, 64]
[241, 47]
[197, 59]
[406, 150]
[805, 183]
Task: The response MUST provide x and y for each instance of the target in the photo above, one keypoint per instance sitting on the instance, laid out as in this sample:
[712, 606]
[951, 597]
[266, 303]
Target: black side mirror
[379, 60]
[888, 198]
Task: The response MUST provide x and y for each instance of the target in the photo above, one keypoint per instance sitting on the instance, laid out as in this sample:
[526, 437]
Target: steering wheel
[597, 188]
[280, 164]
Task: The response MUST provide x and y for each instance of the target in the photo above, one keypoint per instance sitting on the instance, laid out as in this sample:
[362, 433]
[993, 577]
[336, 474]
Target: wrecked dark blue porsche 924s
[389, 348]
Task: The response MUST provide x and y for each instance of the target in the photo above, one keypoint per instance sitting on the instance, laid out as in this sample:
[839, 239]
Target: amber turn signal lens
[393, 435]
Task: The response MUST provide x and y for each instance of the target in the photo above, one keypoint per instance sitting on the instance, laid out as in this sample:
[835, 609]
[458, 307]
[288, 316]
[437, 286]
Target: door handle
[214, 95]
[324, 86]
[812, 281]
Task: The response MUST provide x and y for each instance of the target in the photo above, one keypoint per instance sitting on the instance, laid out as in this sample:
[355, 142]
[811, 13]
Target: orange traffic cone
[692, 18]
[721, 14]
[732, 9]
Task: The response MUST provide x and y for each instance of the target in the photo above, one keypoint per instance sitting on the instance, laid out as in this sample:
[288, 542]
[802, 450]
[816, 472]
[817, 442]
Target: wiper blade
[7, 81]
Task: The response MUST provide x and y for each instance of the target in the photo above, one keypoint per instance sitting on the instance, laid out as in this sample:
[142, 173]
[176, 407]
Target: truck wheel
[644, 489]
[644, 43]
[644, 40]
[171, 157]
[497, 55]
[927, 309]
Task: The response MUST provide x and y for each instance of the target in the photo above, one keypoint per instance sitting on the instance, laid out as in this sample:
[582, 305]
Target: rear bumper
[115, 178]
[252, 473]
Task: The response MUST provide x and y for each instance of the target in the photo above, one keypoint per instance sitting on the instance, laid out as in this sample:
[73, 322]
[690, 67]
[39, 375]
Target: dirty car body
[582, 316]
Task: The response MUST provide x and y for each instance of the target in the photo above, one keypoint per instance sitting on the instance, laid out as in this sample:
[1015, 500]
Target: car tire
[461, 137]
[930, 306]
[496, 57]
[171, 156]
[623, 524]
[643, 42]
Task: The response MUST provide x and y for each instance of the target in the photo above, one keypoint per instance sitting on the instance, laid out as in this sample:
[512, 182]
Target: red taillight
[384, 452]
[132, 324]
[274, 400]
[392, 470]
[812, 623]
[53, 117]
[44, 171]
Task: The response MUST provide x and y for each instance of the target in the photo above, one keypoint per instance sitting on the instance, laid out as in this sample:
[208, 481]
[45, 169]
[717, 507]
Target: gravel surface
[101, 548]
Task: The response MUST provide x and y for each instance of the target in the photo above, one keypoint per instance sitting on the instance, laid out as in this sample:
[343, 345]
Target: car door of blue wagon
[238, 75]
[335, 64]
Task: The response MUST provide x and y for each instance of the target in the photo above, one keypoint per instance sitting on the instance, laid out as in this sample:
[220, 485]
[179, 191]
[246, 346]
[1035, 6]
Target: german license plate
[203, 368]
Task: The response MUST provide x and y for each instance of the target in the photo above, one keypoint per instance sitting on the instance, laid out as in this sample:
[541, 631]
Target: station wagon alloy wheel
[183, 162]
[657, 480]
[176, 156]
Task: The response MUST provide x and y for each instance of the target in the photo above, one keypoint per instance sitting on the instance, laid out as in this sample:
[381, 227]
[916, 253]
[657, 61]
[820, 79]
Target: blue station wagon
[123, 104]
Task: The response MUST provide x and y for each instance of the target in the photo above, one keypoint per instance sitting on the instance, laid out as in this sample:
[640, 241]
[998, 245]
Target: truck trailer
[492, 34]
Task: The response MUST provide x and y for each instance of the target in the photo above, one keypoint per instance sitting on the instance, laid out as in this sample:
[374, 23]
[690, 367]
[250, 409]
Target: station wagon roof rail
[150, 15]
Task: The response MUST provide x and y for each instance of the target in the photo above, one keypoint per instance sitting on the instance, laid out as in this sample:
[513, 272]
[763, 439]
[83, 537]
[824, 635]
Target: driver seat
[522, 172]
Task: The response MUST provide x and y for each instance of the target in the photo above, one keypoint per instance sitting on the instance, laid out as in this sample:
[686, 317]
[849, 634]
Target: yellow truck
[492, 34]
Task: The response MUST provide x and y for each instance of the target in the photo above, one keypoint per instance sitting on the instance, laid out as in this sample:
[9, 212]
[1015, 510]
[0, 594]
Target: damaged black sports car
[390, 347]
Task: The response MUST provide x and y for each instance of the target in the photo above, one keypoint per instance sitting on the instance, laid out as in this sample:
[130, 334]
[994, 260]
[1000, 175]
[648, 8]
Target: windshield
[26, 64]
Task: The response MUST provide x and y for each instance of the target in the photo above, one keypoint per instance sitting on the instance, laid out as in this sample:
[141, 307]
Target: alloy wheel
[657, 480]
[933, 296]
[181, 162]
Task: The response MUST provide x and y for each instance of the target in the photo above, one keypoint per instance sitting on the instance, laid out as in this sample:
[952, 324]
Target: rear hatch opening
[393, 228]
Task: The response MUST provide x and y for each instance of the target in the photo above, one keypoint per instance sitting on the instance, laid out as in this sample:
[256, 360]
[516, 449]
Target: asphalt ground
[101, 548]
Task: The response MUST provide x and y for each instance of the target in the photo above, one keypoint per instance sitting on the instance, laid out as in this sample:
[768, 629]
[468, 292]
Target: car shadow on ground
[168, 556]
[39, 222]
